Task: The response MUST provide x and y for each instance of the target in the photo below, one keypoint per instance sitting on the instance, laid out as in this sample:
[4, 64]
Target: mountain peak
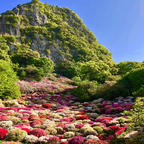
[35, 1]
[54, 32]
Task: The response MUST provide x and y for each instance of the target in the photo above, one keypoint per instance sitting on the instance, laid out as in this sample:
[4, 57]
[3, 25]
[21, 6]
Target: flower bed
[57, 118]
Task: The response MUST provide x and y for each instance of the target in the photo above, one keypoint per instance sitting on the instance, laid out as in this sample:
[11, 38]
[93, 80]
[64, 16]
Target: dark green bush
[139, 92]
[111, 90]
[126, 141]
[85, 90]
[29, 64]
[44, 64]
[67, 68]
[90, 90]
[128, 66]
[24, 56]
[134, 80]
[8, 87]
[32, 73]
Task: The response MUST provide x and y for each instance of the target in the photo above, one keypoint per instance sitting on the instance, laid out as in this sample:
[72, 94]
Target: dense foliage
[29, 64]
[8, 87]
[128, 66]
[134, 81]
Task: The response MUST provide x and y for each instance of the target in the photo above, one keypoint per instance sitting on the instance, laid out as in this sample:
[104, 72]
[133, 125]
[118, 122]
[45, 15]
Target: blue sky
[117, 24]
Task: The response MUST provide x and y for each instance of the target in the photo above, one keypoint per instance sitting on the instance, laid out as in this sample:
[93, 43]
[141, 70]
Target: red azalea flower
[110, 137]
[76, 140]
[115, 128]
[79, 125]
[3, 132]
[54, 139]
[117, 133]
[82, 117]
[3, 118]
[101, 137]
[33, 117]
[47, 105]
[37, 132]
[42, 116]
[25, 129]
[80, 113]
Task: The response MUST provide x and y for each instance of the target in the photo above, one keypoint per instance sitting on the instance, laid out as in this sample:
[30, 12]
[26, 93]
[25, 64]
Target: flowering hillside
[43, 117]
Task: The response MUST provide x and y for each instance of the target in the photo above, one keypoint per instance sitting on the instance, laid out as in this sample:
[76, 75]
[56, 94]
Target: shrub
[8, 87]
[98, 129]
[77, 140]
[25, 129]
[95, 141]
[90, 90]
[111, 90]
[47, 105]
[136, 115]
[29, 64]
[44, 64]
[134, 80]
[128, 66]
[85, 90]
[139, 92]
[16, 135]
[37, 132]
[97, 71]
[33, 73]
[31, 139]
[51, 130]
[67, 68]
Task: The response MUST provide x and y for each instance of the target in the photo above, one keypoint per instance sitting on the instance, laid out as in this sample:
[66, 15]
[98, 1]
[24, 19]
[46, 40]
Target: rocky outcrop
[57, 33]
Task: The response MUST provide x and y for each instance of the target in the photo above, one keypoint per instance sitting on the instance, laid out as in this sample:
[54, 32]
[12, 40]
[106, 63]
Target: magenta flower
[76, 140]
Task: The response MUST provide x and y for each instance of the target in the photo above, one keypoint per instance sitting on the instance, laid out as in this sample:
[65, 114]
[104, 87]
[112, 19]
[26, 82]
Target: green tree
[127, 66]
[44, 64]
[98, 71]
[8, 87]
[134, 80]
[4, 49]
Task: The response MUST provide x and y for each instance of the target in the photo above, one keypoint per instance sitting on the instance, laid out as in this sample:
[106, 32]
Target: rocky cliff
[55, 32]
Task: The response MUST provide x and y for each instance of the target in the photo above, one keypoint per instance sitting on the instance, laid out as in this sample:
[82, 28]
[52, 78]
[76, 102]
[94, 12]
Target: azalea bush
[49, 84]
[136, 115]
